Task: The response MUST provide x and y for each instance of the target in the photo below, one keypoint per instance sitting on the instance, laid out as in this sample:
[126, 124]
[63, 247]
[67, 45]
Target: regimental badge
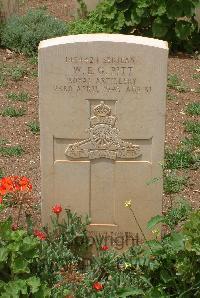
[104, 139]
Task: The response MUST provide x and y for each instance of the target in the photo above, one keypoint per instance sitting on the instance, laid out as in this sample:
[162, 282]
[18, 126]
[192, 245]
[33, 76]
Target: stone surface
[198, 16]
[8, 8]
[102, 115]
[91, 4]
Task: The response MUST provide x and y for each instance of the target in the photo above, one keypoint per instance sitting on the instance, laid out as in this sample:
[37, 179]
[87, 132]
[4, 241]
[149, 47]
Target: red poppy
[97, 286]
[57, 209]
[40, 235]
[104, 247]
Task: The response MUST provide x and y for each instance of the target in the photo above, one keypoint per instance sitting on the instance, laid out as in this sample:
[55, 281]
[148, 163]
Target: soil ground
[14, 131]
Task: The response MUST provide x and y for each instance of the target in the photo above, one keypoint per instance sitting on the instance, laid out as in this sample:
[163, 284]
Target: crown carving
[102, 110]
[102, 115]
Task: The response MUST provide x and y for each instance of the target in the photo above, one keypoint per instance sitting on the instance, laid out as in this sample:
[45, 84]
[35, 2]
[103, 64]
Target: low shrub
[170, 20]
[23, 33]
[18, 250]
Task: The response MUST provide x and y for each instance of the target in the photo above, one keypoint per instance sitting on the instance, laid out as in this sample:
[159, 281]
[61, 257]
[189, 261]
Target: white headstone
[102, 115]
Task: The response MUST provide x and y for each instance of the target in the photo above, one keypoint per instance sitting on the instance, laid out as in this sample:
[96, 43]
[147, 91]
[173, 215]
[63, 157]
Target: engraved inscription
[104, 140]
[101, 74]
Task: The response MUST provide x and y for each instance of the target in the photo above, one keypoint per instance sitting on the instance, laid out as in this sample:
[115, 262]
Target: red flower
[97, 286]
[24, 183]
[104, 247]
[57, 209]
[13, 184]
[40, 235]
[1, 200]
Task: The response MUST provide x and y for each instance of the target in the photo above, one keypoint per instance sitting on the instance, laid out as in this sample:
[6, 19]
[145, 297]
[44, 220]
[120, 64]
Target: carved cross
[103, 148]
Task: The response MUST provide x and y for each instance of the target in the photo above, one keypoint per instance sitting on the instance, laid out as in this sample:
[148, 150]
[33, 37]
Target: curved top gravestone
[102, 115]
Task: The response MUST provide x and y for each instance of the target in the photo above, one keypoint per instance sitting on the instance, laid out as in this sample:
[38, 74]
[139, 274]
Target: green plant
[11, 150]
[18, 250]
[34, 73]
[34, 127]
[13, 112]
[193, 108]
[21, 96]
[3, 142]
[165, 19]
[171, 96]
[175, 83]
[181, 158]
[192, 127]
[14, 72]
[192, 142]
[1, 173]
[17, 72]
[33, 60]
[66, 243]
[197, 90]
[23, 33]
[196, 76]
[173, 183]
[2, 81]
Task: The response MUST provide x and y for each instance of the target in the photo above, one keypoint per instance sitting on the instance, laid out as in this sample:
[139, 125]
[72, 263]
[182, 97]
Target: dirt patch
[62, 9]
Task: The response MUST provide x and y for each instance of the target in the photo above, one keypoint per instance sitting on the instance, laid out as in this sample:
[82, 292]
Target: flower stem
[135, 218]
[19, 213]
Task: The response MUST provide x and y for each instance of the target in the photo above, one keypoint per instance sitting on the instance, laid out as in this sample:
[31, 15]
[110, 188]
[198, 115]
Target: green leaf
[154, 244]
[18, 235]
[3, 254]
[34, 283]
[165, 276]
[177, 241]
[159, 28]
[120, 22]
[14, 288]
[43, 292]
[140, 11]
[13, 247]
[20, 265]
[184, 29]
[142, 3]
[154, 221]
[174, 9]
[5, 229]
[188, 8]
[135, 18]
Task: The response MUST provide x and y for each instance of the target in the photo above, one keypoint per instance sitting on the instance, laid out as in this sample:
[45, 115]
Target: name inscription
[101, 74]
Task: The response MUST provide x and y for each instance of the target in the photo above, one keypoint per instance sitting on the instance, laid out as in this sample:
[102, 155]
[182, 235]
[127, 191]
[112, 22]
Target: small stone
[8, 51]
